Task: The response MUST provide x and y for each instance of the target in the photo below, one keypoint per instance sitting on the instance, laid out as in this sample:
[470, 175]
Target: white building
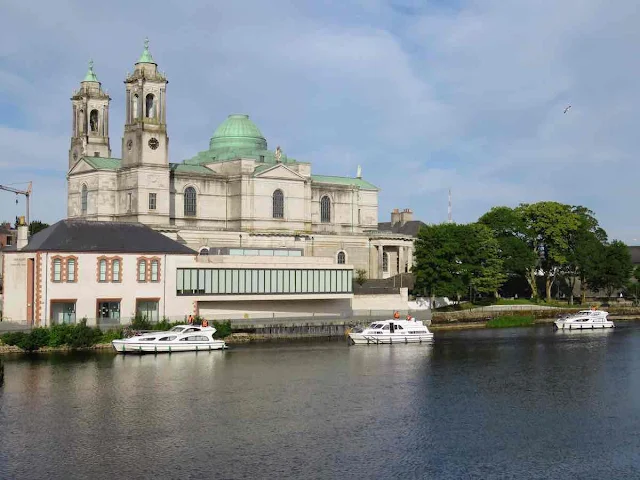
[237, 193]
[107, 271]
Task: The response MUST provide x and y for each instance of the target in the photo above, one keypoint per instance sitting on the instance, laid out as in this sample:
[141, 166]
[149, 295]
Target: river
[514, 403]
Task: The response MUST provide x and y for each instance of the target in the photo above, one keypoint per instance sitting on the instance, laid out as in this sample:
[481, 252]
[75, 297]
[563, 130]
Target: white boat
[181, 338]
[584, 320]
[392, 331]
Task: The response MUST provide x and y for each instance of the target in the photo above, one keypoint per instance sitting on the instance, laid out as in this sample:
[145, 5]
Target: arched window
[204, 251]
[102, 273]
[155, 269]
[325, 209]
[85, 198]
[57, 270]
[278, 204]
[142, 271]
[150, 107]
[134, 105]
[93, 121]
[190, 202]
[385, 262]
[342, 258]
[71, 270]
[115, 271]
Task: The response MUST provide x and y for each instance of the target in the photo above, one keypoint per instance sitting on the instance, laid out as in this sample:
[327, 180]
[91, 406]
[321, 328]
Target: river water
[514, 403]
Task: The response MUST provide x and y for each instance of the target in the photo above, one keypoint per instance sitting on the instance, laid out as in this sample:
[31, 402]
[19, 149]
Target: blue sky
[425, 95]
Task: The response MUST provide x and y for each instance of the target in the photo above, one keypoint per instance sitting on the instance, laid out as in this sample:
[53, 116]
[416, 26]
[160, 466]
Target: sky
[426, 96]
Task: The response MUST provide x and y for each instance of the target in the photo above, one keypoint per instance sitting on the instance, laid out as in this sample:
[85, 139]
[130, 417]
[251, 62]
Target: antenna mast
[450, 216]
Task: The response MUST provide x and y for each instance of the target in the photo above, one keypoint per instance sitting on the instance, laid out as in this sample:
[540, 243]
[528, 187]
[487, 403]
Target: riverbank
[282, 336]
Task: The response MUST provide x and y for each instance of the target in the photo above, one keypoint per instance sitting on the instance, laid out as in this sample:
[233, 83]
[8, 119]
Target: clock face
[129, 144]
[154, 143]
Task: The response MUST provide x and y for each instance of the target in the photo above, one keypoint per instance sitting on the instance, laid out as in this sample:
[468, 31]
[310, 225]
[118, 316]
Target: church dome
[237, 133]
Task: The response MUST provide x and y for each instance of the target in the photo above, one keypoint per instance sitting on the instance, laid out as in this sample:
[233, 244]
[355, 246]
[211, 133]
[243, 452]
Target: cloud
[465, 95]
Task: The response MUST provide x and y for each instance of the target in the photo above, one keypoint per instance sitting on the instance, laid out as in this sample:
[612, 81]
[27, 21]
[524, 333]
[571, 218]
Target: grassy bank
[507, 321]
[80, 335]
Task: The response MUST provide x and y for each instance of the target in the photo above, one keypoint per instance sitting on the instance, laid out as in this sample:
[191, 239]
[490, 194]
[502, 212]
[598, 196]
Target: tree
[508, 227]
[451, 260]
[361, 276]
[547, 229]
[614, 271]
[488, 273]
[584, 250]
[36, 226]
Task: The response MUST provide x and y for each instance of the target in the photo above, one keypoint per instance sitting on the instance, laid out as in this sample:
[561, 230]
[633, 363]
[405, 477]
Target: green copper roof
[356, 182]
[237, 133]
[146, 55]
[103, 163]
[91, 75]
[184, 168]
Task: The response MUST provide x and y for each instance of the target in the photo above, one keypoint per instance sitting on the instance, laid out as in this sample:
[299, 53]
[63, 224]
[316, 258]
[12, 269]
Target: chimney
[23, 234]
[395, 216]
[406, 216]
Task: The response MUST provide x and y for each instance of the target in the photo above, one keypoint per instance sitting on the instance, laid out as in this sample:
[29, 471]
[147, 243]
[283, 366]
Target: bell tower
[145, 140]
[90, 127]
[143, 180]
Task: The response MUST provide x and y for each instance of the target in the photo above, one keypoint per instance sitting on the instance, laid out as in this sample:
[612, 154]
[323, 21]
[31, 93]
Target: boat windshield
[375, 325]
[177, 329]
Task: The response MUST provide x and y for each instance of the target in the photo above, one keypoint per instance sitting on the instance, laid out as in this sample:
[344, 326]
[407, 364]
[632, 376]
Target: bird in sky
[567, 108]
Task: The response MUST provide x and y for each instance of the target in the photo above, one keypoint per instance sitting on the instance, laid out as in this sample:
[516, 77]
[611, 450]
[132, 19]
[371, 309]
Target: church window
[325, 209]
[134, 104]
[129, 201]
[152, 201]
[96, 154]
[93, 121]
[190, 202]
[85, 198]
[278, 204]
[150, 109]
[385, 262]
[204, 251]
[342, 258]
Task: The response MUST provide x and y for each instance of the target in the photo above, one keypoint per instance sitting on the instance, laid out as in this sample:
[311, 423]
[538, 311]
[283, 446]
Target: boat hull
[583, 326]
[122, 346]
[360, 339]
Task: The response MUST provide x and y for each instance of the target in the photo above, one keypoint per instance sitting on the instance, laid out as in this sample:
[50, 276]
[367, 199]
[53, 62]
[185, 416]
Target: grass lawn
[510, 321]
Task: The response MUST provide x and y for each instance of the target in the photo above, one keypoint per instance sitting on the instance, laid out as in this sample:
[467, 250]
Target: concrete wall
[274, 308]
[398, 301]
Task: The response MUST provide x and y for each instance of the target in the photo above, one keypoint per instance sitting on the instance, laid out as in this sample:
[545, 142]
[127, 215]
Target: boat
[392, 331]
[181, 338]
[584, 320]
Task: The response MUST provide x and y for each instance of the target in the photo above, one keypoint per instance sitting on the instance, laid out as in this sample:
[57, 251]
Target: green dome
[237, 133]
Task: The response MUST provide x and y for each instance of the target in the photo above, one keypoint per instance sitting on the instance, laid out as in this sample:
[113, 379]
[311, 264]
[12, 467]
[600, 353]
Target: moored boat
[584, 320]
[392, 331]
[181, 338]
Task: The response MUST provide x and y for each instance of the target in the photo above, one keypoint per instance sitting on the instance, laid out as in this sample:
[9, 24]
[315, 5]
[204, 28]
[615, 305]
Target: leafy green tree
[614, 270]
[508, 227]
[36, 225]
[584, 250]
[548, 226]
[488, 272]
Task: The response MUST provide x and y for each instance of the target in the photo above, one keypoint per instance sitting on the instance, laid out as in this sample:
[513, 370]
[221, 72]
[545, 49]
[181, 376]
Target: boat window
[167, 339]
[191, 330]
[177, 329]
[373, 325]
[386, 327]
[398, 327]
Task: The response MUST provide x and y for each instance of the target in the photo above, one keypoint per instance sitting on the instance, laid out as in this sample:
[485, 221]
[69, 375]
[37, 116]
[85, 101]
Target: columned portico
[394, 254]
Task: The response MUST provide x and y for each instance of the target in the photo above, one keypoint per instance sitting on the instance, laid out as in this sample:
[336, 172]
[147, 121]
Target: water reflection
[484, 404]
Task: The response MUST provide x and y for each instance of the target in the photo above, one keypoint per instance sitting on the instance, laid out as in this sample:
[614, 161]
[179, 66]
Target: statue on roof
[278, 154]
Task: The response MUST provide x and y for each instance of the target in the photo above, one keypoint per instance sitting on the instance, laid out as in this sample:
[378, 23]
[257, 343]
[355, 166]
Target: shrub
[361, 276]
[110, 335]
[223, 329]
[140, 322]
[13, 338]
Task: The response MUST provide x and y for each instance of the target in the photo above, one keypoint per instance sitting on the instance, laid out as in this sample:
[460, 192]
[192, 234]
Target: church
[237, 197]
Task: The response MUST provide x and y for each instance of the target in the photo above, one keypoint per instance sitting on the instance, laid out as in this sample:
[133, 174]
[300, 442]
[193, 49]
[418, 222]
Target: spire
[146, 55]
[91, 75]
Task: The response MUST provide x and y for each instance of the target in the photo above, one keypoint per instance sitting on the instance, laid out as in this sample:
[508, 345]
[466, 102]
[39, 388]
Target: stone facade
[235, 193]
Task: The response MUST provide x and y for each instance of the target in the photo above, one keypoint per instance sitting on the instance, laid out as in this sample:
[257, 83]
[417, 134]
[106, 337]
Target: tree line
[543, 245]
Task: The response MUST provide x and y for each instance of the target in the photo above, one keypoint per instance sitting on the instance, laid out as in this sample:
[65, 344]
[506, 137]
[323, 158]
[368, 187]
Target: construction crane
[26, 193]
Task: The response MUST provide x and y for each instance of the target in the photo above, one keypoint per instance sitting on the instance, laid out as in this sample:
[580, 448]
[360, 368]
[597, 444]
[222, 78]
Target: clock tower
[144, 175]
[90, 125]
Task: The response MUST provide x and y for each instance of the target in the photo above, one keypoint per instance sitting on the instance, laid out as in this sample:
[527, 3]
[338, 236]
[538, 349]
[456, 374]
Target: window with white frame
[102, 270]
[155, 269]
[57, 270]
[71, 270]
[142, 270]
[115, 271]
